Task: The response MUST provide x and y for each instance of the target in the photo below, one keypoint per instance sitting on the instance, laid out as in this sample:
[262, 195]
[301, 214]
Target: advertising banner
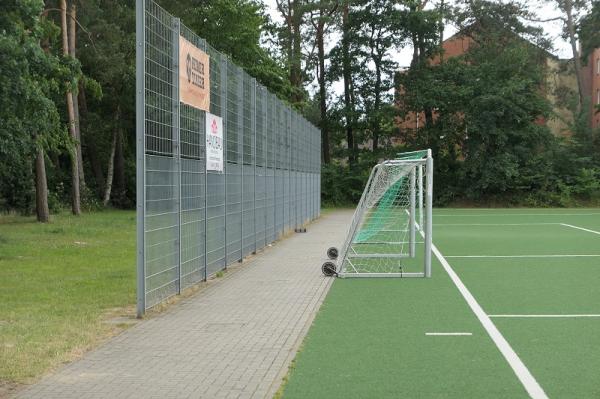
[194, 75]
[214, 143]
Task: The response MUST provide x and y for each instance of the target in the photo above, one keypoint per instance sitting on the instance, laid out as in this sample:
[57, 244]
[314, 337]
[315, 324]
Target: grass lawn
[59, 284]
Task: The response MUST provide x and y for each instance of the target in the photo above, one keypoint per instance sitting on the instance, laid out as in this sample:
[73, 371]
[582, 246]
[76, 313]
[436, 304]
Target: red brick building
[591, 83]
[560, 74]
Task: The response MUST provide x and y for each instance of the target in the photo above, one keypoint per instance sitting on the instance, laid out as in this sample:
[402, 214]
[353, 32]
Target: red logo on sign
[214, 127]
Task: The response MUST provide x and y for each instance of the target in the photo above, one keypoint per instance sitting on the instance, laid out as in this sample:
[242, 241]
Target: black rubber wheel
[328, 269]
[304, 230]
[332, 253]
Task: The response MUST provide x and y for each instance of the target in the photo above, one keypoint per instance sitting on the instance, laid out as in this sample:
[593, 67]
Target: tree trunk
[296, 60]
[41, 188]
[352, 109]
[91, 152]
[111, 168]
[75, 198]
[428, 113]
[41, 182]
[73, 53]
[415, 56]
[290, 52]
[292, 15]
[117, 134]
[377, 103]
[441, 30]
[346, 66]
[119, 185]
[320, 31]
[418, 53]
[568, 8]
[326, 10]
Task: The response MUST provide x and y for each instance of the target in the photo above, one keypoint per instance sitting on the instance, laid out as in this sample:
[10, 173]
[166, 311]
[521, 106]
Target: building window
[597, 66]
[598, 96]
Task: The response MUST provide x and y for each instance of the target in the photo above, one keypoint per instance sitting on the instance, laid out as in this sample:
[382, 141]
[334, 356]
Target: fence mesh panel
[192, 222]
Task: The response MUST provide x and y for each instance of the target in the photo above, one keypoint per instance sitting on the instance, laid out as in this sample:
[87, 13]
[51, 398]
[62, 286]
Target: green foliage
[107, 55]
[486, 125]
[502, 132]
[35, 75]
[235, 28]
[482, 110]
[342, 185]
[378, 32]
[588, 31]
[30, 79]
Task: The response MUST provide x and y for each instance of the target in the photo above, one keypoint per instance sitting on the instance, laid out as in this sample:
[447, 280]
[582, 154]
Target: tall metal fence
[193, 222]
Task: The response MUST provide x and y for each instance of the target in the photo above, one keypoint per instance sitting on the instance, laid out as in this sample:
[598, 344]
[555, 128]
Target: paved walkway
[233, 340]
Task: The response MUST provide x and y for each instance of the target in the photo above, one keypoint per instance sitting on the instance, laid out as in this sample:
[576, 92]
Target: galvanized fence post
[176, 139]
[224, 86]
[290, 168]
[240, 157]
[319, 177]
[277, 164]
[275, 161]
[254, 153]
[265, 102]
[203, 127]
[205, 277]
[140, 120]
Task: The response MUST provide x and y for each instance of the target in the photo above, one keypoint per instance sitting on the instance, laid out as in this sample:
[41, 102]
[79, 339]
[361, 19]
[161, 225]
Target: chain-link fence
[193, 222]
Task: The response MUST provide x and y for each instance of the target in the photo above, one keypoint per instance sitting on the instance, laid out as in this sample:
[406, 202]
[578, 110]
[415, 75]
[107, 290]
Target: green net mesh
[382, 214]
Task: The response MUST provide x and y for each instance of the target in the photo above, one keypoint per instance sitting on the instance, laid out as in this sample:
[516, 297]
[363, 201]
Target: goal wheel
[328, 269]
[332, 253]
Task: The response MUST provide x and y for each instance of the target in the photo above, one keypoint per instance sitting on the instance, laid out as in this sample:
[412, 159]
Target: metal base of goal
[400, 275]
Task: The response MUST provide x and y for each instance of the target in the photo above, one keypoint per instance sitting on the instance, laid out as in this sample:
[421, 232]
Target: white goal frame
[420, 200]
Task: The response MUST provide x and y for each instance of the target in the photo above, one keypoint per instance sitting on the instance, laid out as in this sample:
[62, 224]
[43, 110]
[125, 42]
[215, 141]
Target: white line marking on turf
[495, 224]
[544, 315]
[447, 333]
[518, 214]
[581, 228]
[523, 256]
[523, 374]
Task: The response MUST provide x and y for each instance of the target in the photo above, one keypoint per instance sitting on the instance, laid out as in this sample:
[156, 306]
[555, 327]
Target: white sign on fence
[214, 142]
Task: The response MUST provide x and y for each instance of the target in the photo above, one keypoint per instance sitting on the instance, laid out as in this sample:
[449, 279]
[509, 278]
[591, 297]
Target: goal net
[387, 236]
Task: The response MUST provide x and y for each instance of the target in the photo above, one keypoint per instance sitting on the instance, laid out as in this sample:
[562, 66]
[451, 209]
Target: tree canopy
[67, 89]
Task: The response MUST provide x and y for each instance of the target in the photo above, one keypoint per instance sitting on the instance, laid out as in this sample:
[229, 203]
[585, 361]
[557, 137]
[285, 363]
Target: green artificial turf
[533, 285]
[514, 240]
[563, 354]
[58, 281]
[368, 340]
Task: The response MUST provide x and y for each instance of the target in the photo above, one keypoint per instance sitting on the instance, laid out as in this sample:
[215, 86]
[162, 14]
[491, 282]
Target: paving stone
[234, 339]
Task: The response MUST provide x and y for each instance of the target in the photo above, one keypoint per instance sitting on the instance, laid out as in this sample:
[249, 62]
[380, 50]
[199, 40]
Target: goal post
[385, 237]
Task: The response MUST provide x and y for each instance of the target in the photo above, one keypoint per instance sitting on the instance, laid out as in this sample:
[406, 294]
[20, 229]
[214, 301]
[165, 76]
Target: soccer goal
[390, 233]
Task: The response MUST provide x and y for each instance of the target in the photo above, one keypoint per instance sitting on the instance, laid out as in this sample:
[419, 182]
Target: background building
[591, 83]
[560, 84]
